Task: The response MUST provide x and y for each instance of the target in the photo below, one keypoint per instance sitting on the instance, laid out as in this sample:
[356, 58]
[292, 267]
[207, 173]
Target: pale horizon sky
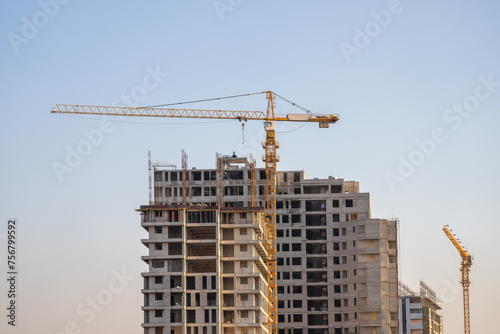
[416, 84]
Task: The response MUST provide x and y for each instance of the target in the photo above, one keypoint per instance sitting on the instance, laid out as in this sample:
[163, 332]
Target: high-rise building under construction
[337, 266]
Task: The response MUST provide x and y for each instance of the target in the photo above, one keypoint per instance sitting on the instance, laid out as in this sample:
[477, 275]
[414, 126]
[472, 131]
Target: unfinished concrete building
[207, 272]
[419, 311]
[337, 266]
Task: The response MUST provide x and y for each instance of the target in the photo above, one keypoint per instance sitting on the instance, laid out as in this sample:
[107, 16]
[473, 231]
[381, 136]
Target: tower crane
[270, 159]
[465, 268]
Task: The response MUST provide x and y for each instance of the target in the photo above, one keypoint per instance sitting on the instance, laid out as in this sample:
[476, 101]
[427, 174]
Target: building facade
[207, 272]
[411, 315]
[337, 266]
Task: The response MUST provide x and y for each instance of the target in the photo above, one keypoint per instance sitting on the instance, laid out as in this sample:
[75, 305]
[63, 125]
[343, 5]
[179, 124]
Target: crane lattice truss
[270, 158]
[465, 269]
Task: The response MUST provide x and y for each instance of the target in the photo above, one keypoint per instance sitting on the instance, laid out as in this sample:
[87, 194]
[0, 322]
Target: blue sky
[404, 83]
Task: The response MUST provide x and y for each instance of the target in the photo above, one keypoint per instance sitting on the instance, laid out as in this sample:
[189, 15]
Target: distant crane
[270, 159]
[465, 268]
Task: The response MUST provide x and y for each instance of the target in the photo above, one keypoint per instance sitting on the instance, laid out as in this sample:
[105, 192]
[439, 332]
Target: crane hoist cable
[203, 100]
[229, 97]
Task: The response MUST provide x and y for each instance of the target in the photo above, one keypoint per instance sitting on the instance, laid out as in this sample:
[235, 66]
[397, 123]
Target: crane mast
[465, 269]
[270, 159]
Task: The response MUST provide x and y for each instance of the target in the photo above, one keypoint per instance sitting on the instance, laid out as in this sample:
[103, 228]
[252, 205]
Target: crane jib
[189, 113]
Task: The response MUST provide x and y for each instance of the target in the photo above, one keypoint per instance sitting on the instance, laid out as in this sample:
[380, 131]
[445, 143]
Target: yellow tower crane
[465, 268]
[270, 159]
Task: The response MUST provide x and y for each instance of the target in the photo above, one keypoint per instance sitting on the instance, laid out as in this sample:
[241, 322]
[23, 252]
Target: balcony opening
[316, 234]
[176, 282]
[316, 262]
[316, 205]
[317, 305]
[316, 276]
[315, 220]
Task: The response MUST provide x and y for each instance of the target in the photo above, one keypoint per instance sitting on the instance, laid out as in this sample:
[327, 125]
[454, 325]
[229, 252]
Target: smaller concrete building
[419, 311]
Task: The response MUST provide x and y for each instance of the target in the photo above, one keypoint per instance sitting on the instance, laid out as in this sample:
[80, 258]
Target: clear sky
[417, 85]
